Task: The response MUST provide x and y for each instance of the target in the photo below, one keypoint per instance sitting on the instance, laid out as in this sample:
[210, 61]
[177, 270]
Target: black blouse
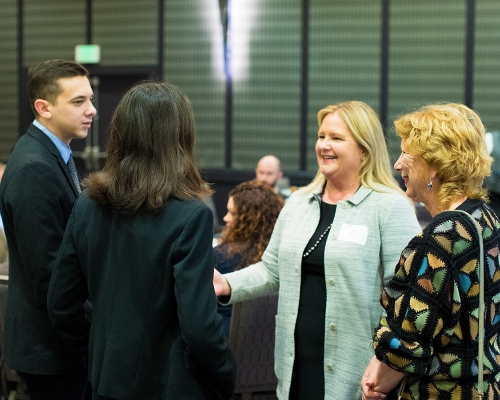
[308, 376]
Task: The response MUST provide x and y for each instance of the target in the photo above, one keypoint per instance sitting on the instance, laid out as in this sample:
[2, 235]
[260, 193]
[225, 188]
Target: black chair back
[251, 339]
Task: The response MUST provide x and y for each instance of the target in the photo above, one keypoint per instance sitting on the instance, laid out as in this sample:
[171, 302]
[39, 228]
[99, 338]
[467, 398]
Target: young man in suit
[37, 193]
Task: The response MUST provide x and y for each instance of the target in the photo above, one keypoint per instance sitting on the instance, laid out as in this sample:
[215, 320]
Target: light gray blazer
[363, 247]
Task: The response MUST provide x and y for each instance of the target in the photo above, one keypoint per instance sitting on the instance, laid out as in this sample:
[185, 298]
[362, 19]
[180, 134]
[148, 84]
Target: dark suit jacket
[225, 263]
[36, 199]
[156, 333]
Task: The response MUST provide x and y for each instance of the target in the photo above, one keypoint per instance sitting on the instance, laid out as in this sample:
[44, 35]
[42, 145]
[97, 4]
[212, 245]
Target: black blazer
[156, 333]
[36, 199]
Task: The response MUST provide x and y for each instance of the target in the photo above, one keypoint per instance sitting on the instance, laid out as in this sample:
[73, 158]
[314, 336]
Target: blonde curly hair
[450, 138]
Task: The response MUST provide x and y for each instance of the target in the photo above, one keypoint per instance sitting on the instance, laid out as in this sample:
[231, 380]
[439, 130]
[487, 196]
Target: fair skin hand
[340, 158]
[378, 380]
[221, 285]
[70, 116]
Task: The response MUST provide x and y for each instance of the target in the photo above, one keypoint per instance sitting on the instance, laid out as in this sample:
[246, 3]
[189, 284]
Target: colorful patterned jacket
[431, 329]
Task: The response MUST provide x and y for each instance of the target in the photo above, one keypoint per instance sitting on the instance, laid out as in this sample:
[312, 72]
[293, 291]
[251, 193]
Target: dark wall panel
[8, 78]
[265, 57]
[126, 30]
[344, 58]
[426, 62]
[426, 56]
[52, 29]
[486, 90]
[194, 61]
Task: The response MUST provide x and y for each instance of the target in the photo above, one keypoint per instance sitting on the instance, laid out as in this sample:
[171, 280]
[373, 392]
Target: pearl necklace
[317, 242]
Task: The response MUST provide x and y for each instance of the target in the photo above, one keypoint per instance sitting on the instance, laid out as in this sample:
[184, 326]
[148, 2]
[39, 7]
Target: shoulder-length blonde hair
[362, 121]
[451, 139]
[150, 152]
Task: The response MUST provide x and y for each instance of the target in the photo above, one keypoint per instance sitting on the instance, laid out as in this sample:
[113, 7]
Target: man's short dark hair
[43, 79]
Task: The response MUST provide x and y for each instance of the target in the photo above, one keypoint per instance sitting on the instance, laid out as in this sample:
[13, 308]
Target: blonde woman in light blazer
[335, 244]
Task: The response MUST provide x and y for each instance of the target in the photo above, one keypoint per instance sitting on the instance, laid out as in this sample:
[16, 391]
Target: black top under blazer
[36, 199]
[156, 333]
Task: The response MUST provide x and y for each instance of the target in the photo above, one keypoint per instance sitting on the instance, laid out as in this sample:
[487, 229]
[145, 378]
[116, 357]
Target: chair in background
[251, 339]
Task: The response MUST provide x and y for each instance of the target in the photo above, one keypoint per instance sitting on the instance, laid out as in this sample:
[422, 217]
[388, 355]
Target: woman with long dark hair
[138, 245]
[252, 210]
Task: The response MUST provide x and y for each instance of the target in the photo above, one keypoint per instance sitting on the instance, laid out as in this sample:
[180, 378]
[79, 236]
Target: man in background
[269, 171]
[38, 189]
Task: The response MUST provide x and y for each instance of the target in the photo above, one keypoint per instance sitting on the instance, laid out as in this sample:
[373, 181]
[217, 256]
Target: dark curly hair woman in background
[252, 210]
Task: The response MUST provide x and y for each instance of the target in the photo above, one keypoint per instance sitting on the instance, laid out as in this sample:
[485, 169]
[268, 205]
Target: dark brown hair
[150, 152]
[43, 79]
[257, 208]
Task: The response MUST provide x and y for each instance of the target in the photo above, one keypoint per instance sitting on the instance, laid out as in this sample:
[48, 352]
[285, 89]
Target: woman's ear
[42, 108]
[434, 174]
[364, 154]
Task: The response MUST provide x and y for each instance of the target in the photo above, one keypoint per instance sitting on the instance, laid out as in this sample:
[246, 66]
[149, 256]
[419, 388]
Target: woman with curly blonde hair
[430, 340]
[252, 210]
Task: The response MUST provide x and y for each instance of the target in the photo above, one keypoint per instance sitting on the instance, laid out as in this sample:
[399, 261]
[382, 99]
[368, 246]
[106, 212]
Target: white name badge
[353, 233]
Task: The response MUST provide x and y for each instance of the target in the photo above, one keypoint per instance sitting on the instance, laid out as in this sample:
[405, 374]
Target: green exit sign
[88, 53]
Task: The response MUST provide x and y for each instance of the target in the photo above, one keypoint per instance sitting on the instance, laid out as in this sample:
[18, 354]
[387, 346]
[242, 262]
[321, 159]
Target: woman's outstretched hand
[221, 285]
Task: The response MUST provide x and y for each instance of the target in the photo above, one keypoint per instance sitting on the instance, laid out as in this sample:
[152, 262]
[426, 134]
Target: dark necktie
[74, 174]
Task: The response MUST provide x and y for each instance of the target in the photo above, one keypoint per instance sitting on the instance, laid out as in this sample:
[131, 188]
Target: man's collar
[64, 150]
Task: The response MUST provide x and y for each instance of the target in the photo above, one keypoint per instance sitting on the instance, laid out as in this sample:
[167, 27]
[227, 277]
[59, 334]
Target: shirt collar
[61, 146]
[355, 199]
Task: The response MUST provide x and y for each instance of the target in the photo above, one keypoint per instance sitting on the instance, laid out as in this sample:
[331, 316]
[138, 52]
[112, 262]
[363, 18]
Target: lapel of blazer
[37, 134]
